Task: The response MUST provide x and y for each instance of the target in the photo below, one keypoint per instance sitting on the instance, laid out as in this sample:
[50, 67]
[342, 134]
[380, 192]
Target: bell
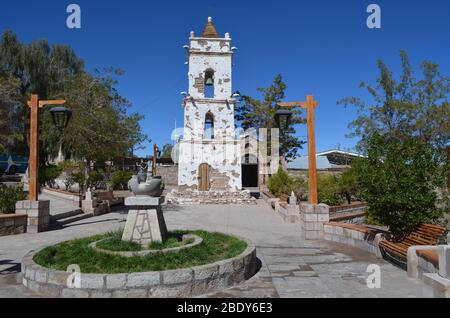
[209, 81]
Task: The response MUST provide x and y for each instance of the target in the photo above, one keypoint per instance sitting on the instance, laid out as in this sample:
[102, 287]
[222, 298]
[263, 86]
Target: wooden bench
[425, 234]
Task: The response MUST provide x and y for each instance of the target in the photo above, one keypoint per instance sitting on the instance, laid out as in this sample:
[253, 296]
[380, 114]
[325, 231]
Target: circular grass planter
[197, 240]
[183, 282]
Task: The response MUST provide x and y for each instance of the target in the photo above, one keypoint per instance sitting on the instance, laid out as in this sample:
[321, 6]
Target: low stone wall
[354, 235]
[11, 224]
[289, 213]
[62, 194]
[187, 282]
[169, 174]
[38, 213]
[350, 218]
[347, 208]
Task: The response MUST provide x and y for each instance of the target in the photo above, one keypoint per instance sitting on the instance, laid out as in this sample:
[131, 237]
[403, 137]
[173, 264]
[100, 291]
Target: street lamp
[35, 104]
[283, 115]
[61, 117]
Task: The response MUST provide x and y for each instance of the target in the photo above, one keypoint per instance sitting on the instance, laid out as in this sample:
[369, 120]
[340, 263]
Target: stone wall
[169, 174]
[183, 283]
[312, 219]
[38, 213]
[11, 224]
[354, 235]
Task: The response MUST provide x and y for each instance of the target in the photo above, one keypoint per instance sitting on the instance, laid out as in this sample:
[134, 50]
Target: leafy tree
[48, 173]
[10, 134]
[348, 185]
[167, 151]
[119, 179]
[35, 68]
[399, 181]
[260, 113]
[404, 107]
[328, 190]
[100, 129]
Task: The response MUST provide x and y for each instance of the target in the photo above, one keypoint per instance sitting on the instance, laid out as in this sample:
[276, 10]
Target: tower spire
[210, 30]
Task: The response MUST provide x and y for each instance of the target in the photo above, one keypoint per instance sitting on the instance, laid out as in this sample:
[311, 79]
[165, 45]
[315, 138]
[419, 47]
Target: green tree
[100, 130]
[404, 107]
[35, 68]
[399, 181]
[260, 113]
[167, 151]
[348, 184]
[328, 189]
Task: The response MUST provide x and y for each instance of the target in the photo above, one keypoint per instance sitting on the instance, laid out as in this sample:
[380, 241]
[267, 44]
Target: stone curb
[197, 241]
[187, 282]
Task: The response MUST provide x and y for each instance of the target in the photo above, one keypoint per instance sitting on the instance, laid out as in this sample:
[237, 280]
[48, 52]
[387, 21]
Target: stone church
[209, 151]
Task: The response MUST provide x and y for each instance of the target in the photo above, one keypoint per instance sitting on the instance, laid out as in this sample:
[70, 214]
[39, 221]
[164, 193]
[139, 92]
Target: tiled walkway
[290, 267]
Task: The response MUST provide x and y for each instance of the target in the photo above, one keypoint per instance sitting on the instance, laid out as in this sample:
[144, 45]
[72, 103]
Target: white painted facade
[210, 55]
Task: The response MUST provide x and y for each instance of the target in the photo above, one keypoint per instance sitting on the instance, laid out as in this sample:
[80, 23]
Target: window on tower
[209, 83]
[209, 126]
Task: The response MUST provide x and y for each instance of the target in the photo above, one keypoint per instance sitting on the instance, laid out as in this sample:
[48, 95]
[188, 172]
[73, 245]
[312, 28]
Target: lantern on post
[60, 117]
[283, 115]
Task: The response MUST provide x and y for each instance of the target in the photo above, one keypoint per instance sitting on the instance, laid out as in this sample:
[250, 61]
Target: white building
[209, 152]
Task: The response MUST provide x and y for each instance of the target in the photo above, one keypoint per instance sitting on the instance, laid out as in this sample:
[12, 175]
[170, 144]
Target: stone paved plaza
[290, 266]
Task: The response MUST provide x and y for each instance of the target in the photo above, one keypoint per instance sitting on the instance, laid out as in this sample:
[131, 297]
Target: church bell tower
[209, 153]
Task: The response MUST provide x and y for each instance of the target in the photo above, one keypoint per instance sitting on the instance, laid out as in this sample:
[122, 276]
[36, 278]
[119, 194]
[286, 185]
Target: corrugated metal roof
[301, 163]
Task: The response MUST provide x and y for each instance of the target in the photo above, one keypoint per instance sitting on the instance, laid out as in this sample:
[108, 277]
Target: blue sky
[321, 47]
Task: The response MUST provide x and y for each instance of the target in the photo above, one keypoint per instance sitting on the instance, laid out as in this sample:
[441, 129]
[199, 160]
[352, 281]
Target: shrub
[280, 183]
[119, 179]
[96, 178]
[8, 198]
[399, 181]
[48, 174]
[348, 185]
[328, 189]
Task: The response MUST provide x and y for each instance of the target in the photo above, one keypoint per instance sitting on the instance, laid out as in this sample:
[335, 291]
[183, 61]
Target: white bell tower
[209, 157]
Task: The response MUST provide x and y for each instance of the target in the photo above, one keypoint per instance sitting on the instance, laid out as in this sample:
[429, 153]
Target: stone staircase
[63, 219]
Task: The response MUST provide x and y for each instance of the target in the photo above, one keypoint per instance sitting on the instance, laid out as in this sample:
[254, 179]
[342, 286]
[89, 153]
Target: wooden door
[204, 177]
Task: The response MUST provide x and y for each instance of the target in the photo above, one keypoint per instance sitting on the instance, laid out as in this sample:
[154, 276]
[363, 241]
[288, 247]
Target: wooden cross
[34, 105]
[309, 105]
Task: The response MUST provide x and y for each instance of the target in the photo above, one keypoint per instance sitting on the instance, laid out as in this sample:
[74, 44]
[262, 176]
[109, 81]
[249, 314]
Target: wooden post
[312, 165]
[34, 148]
[309, 105]
[155, 150]
[35, 104]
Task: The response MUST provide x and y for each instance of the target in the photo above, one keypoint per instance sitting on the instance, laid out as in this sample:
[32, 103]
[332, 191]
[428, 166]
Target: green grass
[114, 243]
[215, 247]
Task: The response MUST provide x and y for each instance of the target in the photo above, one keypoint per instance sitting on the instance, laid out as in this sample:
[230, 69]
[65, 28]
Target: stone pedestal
[38, 213]
[90, 204]
[145, 221]
[312, 219]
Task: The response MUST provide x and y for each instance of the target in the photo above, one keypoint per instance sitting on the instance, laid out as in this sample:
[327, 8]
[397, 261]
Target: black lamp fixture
[283, 115]
[60, 117]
